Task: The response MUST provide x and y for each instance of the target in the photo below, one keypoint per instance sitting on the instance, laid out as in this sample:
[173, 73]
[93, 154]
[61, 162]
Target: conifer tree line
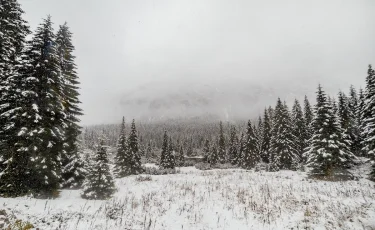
[39, 106]
[328, 137]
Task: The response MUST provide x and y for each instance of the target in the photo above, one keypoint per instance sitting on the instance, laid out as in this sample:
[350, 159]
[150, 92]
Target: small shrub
[307, 212]
[143, 178]
[20, 225]
[114, 209]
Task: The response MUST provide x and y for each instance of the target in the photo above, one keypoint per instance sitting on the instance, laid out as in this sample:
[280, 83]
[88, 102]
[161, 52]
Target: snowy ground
[214, 199]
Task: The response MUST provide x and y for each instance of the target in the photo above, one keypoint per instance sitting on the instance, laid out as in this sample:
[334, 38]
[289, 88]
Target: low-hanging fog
[165, 58]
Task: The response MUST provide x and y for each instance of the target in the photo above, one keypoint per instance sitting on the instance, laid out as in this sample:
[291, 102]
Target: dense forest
[43, 148]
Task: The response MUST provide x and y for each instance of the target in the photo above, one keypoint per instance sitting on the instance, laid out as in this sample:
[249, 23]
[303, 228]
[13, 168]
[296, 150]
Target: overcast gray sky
[124, 44]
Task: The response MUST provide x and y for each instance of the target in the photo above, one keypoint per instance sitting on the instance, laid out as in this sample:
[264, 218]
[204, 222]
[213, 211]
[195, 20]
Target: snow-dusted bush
[143, 178]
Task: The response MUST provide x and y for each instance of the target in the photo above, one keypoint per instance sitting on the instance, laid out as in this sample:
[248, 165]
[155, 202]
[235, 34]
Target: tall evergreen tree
[333, 103]
[71, 103]
[283, 151]
[213, 158]
[45, 111]
[360, 122]
[190, 147]
[353, 102]
[343, 111]
[368, 115]
[123, 157]
[99, 183]
[271, 113]
[13, 99]
[368, 119]
[299, 128]
[327, 151]
[180, 160]
[206, 150]
[345, 119]
[149, 152]
[171, 152]
[258, 130]
[355, 131]
[221, 146]
[250, 155]
[308, 116]
[233, 154]
[241, 149]
[166, 160]
[267, 134]
[133, 149]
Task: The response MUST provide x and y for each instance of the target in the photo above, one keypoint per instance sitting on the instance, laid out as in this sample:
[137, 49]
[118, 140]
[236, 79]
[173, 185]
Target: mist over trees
[328, 136]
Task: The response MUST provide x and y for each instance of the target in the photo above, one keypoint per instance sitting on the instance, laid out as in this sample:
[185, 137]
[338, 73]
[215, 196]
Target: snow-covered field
[214, 199]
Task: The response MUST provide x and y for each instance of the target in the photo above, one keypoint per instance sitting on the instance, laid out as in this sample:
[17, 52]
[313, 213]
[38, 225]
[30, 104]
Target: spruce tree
[74, 171]
[166, 159]
[333, 102]
[250, 155]
[233, 142]
[308, 117]
[45, 111]
[190, 147]
[149, 152]
[241, 149]
[71, 103]
[213, 158]
[14, 93]
[99, 183]
[180, 160]
[258, 130]
[345, 119]
[353, 102]
[327, 151]
[171, 153]
[355, 131]
[368, 115]
[271, 113]
[206, 150]
[133, 149]
[266, 137]
[284, 154]
[221, 146]
[123, 157]
[299, 128]
[343, 111]
[360, 122]
[368, 119]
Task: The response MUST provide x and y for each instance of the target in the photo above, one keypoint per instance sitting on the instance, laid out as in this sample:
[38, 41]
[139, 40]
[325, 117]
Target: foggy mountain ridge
[225, 101]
